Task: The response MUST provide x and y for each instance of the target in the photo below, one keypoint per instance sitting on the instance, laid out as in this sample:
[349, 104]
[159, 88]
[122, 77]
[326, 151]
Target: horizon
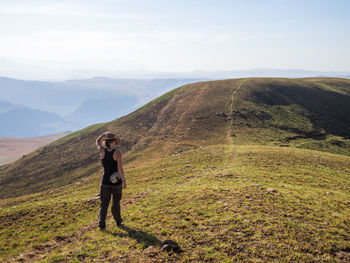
[65, 40]
[196, 74]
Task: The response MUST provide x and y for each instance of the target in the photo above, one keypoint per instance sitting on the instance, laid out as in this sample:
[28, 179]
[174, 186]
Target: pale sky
[173, 35]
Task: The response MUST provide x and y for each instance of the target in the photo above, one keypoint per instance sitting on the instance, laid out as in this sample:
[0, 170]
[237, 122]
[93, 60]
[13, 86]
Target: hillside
[253, 170]
[305, 113]
[219, 203]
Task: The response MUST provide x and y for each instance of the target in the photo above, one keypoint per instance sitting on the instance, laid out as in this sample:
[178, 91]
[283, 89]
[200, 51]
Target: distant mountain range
[229, 74]
[35, 108]
[32, 108]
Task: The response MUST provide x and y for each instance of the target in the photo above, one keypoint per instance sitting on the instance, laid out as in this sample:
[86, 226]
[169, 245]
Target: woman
[111, 159]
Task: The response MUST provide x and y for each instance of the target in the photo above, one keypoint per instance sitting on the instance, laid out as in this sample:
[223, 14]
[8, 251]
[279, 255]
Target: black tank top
[109, 166]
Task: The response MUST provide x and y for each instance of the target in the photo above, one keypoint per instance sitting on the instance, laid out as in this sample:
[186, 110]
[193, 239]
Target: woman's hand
[124, 184]
[107, 133]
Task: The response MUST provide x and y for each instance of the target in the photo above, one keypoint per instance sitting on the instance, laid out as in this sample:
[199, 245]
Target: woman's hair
[108, 142]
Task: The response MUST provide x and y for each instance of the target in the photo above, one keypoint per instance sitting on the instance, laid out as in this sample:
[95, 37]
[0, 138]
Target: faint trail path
[229, 129]
[238, 86]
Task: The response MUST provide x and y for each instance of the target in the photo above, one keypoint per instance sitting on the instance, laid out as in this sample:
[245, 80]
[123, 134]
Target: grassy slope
[205, 197]
[305, 113]
[213, 201]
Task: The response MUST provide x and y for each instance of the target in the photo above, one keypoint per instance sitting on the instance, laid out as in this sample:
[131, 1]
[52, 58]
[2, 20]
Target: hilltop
[305, 113]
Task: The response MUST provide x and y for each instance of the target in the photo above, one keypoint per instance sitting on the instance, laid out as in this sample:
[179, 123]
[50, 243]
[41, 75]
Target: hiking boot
[121, 221]
[102, 228]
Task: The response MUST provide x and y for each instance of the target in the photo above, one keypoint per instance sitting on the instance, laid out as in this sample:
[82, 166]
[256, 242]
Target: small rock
[256, 185]
[94, 197]
[151, 251]
[168, 245]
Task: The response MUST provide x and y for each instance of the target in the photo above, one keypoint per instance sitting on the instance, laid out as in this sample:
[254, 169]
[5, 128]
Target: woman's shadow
[140, 236]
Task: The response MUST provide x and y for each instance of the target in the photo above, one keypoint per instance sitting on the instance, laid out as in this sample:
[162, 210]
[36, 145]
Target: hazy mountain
[64, 97]
[26, 122]
[6, 106]
[102, 110]
[82, 102]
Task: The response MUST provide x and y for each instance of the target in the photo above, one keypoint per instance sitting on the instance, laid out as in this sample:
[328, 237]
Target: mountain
[80, 102]
[250, 169]
[102, 110]
[6, 106]
[25, 122]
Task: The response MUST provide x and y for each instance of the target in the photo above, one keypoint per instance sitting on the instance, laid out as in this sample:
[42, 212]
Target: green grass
[213, 201]
[255, 174]
[300, 113]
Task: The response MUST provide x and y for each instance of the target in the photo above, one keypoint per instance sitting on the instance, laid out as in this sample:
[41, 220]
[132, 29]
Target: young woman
[111, 159]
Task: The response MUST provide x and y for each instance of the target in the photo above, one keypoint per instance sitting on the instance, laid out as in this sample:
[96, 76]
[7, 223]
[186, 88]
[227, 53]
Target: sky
[41, 38]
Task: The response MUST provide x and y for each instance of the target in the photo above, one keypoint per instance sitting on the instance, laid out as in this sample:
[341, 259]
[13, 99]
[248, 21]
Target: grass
[299, 113]
[213, 201]
[253, 170]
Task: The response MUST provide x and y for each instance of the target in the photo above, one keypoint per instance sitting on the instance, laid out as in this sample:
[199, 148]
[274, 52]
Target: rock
[94, 197]
[256, 185]
[165, 247]
[169, 245]
[150, 251]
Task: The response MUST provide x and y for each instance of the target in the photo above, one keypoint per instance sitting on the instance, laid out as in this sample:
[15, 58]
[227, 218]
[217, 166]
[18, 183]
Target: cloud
[65, 9]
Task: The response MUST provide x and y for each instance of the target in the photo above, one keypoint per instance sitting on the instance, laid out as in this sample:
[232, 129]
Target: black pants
[106, 191]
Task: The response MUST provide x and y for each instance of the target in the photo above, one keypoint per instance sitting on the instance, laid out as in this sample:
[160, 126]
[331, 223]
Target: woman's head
[110, 143]
[110, 140]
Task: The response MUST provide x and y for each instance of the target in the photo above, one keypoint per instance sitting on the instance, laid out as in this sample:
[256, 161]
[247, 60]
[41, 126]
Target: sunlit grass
[213, 201]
